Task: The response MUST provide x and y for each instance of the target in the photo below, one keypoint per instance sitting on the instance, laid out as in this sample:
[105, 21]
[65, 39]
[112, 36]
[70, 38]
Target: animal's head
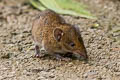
[70, 40]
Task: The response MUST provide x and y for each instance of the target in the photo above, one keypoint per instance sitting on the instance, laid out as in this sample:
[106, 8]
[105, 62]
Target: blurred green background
[70, 7]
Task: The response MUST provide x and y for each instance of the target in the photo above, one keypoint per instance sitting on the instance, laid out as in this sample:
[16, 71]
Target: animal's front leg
[60, 57]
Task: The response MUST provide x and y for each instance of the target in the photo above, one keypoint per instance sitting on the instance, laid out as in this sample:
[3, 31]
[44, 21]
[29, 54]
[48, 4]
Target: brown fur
[44, 36]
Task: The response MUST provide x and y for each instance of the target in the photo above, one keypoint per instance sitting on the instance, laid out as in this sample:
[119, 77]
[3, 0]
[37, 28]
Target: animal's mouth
[81, 54]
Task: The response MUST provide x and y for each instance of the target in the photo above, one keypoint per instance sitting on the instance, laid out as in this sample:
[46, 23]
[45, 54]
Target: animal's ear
[58, 33]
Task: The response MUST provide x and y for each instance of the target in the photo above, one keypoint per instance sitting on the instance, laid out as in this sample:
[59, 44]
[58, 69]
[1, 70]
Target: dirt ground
[101, 38]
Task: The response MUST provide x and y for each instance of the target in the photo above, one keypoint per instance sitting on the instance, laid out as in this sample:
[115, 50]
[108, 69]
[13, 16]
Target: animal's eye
[72, 44]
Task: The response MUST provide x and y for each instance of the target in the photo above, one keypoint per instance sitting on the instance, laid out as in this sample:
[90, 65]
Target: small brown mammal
[52, 35]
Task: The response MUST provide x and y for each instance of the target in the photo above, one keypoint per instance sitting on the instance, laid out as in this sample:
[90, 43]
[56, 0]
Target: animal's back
[43, 24]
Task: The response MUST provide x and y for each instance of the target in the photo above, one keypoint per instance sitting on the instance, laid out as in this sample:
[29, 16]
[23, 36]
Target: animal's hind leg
[37, 51]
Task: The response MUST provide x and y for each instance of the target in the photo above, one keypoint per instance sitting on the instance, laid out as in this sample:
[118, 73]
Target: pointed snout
[81, 54]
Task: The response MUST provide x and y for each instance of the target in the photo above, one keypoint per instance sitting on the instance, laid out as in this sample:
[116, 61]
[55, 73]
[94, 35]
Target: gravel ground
[101, 38]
